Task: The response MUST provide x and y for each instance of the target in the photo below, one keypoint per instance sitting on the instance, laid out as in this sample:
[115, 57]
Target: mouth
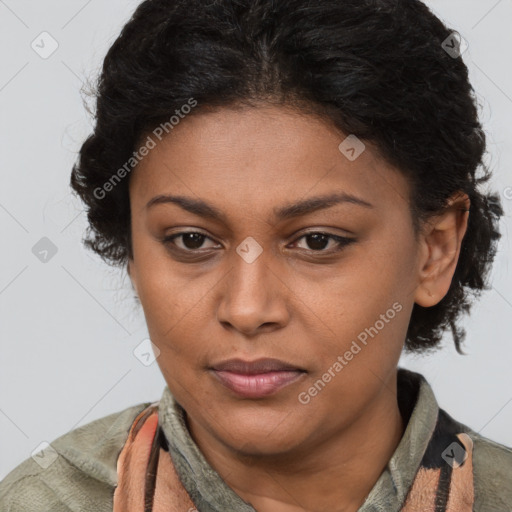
[256, 379]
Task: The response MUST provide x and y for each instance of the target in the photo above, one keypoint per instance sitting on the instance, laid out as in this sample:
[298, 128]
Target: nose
[254, 297]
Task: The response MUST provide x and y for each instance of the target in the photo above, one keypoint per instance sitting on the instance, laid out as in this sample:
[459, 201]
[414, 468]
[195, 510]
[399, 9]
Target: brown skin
[295, 302]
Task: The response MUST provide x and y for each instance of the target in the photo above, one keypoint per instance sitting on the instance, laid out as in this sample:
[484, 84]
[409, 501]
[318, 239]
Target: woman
[293, 189]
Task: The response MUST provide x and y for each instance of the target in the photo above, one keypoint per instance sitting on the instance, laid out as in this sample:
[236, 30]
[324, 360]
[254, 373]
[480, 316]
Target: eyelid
[168, 239]
[341, 241]
[325, 230]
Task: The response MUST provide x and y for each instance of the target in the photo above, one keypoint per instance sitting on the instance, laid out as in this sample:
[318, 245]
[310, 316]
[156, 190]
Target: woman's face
[258, 279]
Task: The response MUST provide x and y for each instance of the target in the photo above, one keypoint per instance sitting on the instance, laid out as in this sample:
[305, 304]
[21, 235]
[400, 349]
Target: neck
[310, 480]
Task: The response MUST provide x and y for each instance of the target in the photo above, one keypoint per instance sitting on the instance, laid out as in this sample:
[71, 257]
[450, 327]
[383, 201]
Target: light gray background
[68, 327]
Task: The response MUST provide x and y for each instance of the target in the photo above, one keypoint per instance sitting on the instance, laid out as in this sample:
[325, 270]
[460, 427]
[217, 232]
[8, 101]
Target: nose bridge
[252, 290]
[250, 280]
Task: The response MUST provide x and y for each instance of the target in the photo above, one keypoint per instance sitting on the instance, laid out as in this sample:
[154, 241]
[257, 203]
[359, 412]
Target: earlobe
[441, 244]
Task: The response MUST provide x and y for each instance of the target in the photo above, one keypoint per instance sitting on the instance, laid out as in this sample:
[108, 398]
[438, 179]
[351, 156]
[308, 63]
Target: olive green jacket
[78, 472]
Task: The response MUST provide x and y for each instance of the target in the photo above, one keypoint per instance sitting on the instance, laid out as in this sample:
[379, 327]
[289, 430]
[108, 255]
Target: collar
[205, 486]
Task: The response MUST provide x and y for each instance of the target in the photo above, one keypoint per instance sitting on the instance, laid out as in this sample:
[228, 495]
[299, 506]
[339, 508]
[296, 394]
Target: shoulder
[492, 469]
[78, 471]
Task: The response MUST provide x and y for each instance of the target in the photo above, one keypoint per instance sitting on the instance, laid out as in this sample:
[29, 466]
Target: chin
[263, 436]
[261, 445]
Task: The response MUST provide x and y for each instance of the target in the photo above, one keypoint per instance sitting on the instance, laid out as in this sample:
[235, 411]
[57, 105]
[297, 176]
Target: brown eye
[191, 241]
[318, 241]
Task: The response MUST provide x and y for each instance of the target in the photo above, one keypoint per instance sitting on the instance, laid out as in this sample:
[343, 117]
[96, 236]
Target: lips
[256, 379]
[255, 367]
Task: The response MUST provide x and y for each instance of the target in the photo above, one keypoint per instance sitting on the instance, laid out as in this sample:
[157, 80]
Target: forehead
[262, 157]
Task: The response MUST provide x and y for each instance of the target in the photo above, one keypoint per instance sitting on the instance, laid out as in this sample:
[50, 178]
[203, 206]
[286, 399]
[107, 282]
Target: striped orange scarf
[147, 479]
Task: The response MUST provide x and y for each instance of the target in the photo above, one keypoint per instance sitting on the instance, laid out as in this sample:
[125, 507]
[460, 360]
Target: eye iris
[196, 240]
[320, 241]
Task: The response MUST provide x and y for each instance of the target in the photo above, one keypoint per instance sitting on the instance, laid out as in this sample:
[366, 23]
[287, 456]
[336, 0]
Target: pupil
[319, 241]
[196, 240]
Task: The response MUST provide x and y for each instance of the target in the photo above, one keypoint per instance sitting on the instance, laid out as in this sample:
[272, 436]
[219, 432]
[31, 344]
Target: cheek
[162, 289]
[367, 305]
[176, 313]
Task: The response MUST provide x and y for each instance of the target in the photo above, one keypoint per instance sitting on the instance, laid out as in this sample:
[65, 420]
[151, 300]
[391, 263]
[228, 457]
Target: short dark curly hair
[377, 69]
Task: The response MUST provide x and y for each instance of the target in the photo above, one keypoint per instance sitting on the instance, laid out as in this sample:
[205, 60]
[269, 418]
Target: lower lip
[257, 386]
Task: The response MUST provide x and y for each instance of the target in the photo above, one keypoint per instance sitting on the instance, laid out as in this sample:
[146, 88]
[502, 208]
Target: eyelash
[342, 241]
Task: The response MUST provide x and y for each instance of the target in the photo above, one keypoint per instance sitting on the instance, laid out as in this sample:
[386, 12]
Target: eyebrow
[291, 210]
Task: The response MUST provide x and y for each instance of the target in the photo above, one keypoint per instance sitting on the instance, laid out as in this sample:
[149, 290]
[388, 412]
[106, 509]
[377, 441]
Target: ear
[441, 241]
